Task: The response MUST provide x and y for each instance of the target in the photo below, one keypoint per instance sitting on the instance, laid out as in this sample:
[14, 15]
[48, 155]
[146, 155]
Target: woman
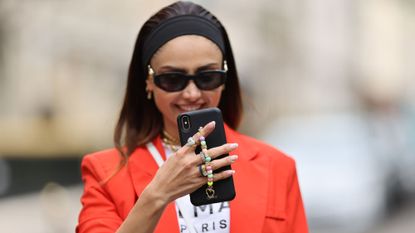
[183, 61]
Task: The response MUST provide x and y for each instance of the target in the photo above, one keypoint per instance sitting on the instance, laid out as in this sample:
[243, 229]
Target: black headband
[179, 26]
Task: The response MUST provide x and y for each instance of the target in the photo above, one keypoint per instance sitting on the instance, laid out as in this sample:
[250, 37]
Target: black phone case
[224, 189]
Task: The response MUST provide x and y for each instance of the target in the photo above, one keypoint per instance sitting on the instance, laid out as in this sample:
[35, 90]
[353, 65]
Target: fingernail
[212, 122]
[233, 145]
[230, 172]
[233, 158]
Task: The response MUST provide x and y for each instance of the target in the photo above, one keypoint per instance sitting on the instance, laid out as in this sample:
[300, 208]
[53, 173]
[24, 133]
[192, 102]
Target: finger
[223, 175]
[204, 131]
[228, 160]
[221, 150]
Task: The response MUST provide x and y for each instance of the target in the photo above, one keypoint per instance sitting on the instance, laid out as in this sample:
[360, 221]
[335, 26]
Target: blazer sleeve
[296, 218]
[98, 213]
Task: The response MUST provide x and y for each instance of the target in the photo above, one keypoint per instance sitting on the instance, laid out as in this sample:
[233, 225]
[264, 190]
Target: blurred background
[331, 83]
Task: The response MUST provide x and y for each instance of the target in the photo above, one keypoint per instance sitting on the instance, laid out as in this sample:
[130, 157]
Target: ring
[190, 142]
[202, 170]
[202, 155]
[200, 130]
[206, 158]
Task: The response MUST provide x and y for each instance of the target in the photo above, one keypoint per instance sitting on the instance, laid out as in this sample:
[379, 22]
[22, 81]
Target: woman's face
[188, 54]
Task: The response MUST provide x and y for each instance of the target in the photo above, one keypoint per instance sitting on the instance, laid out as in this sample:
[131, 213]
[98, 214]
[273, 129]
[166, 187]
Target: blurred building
[64, 64]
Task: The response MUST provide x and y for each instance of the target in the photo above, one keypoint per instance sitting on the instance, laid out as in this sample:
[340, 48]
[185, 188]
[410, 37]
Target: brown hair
[140, 121]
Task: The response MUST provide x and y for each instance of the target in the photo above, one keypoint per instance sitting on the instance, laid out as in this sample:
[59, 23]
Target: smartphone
[189, 124]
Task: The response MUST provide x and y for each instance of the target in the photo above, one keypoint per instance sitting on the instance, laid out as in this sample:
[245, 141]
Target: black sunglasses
[177, 81]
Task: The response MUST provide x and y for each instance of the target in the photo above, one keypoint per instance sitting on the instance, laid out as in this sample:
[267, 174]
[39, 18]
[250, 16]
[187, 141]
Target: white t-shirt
[205, 218]
[212, 218]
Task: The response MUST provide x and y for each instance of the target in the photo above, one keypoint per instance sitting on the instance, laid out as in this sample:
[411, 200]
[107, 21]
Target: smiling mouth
[188, 108]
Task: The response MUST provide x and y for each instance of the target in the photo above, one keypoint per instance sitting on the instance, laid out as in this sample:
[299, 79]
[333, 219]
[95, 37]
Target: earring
[225, 65]
[149, 77]
[149, 92]
[150, 70]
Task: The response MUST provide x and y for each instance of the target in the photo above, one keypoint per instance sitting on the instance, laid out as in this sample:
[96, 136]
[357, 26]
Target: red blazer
[267, 198]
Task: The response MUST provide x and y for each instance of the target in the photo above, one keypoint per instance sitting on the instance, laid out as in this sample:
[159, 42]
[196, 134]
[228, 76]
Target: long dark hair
[140, 121]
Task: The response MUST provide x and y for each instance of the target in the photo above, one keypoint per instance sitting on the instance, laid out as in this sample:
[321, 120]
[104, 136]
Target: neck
[168, 137]
[170, 141]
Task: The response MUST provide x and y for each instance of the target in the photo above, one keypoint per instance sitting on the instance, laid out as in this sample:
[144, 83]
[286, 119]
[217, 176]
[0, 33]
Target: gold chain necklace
[170, 141]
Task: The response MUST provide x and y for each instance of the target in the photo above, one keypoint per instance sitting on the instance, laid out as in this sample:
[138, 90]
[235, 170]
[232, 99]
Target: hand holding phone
[189, 124]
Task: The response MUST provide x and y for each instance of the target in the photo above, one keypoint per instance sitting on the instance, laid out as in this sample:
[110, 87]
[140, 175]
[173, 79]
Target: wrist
[153, 195]
[146, 212]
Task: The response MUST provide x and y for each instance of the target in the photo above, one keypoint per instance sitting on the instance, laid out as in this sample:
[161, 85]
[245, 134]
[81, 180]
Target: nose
[191, 92]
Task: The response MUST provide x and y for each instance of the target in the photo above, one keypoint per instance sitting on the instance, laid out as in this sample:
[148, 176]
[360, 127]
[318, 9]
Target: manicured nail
[213, 123]
[230, 172]
[233, 158]
[233, 145]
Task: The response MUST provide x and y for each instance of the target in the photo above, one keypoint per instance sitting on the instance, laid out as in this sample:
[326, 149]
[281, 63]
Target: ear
[149, 80]
[149, 84]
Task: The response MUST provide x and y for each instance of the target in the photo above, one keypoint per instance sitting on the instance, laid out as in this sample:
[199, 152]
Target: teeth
[188, 108]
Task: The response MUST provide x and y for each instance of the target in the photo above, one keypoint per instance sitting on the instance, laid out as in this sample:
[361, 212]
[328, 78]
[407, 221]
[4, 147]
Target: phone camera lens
[186, 122]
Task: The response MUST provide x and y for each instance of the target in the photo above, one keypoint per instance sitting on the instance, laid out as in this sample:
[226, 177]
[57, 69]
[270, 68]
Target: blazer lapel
[251, 183]
[142, 168]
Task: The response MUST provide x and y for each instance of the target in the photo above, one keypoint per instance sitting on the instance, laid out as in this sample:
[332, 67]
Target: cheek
[214, 98]
[163, 100]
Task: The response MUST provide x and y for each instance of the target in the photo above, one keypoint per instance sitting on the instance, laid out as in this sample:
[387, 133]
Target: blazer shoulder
[102, 162]
[265, 149]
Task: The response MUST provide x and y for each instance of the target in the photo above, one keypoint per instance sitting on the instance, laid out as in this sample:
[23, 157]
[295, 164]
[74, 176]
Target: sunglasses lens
[210, 80]
[171, 81]
[205, 80]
